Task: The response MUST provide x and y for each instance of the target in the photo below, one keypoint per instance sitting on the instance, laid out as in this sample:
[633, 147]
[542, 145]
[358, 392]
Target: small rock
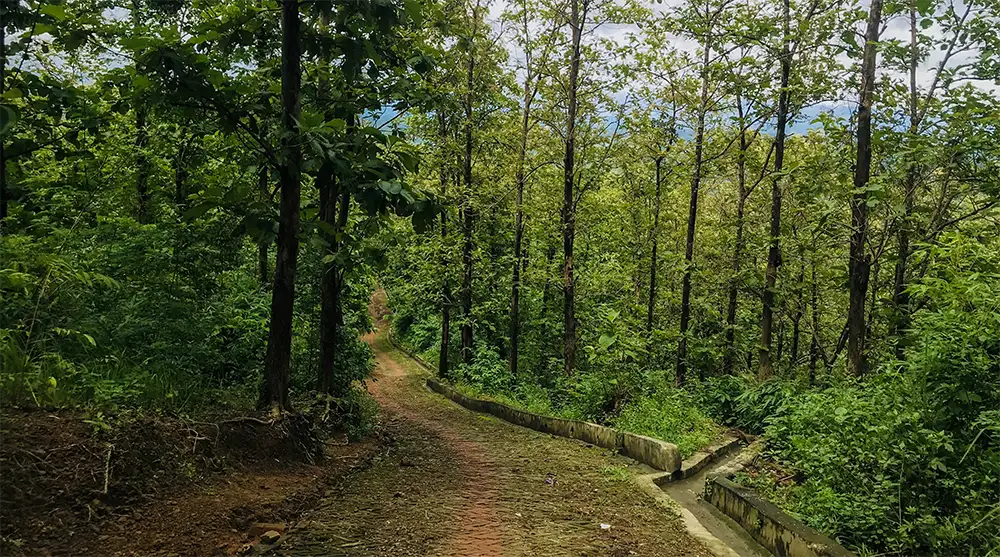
[605, 526]
[270, 537]
[398, 494]
[258, 528]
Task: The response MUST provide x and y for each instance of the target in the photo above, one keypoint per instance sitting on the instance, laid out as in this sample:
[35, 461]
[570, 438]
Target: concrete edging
[701, 459]
[653, 452]
[413, 355]
[779, 533]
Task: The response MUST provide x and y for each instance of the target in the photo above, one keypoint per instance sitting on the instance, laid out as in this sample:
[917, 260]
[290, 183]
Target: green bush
[672, 415]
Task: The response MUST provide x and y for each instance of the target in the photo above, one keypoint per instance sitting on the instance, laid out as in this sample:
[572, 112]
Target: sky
[896, 28]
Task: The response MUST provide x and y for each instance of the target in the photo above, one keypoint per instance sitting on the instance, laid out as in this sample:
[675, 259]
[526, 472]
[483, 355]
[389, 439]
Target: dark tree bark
[274, 392]
[445, 285]
[739, 242]
[860, 261]
[699, 140]
[515, 294]
[900, 298]
[569, 183]
[468, 213]
[651, 302]
[774, 248]
[327, 337]
[141, 140]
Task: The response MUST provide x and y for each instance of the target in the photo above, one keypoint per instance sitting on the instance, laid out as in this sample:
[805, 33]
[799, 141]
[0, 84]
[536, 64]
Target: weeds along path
[456, 483]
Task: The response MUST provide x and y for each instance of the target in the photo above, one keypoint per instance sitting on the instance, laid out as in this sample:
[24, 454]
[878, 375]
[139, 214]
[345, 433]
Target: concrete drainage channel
[730, 520]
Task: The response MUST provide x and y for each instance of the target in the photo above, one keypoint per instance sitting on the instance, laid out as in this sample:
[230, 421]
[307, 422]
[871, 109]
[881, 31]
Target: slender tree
[445, 284]
[577, 18]
[860, 261]
[699, 150]
[774, 248]
[274, 392]
[468, 213]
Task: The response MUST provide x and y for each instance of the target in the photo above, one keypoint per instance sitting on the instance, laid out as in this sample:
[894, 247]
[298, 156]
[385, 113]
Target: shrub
[672, 415]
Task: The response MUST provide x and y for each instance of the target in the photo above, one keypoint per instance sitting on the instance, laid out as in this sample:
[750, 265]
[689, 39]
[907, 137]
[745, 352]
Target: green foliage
[670, 414]
[358, 413]
[909, 462]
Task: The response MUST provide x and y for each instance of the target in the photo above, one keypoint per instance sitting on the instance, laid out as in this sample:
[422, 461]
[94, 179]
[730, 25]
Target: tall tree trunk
[180, 179]
[569, 183]
[699, 146]
[468, 214]
[445, 285]
[900, 298]
[327, 280]
[860, 262]
[274, 392]
[651, 302]
[741, 202]
[141, 140]
[338, 284]
[515, 294]
[265, 197]
[774, 248]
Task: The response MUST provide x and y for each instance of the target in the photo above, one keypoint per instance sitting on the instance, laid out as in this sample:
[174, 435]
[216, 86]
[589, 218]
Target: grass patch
[671, 415]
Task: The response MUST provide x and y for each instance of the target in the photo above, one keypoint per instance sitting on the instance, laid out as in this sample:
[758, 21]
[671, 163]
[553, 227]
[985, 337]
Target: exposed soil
[153, 486]
[457, 483]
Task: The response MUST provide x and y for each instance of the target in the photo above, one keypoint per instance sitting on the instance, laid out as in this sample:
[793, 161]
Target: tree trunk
[468, 214]
[699, 141]
[774, 249]
[859, 260]
[900, 298]
[339, 388]
[274, 392]
[569, 182]
[515, 294]
[327, 280]
[445, 286]
[741, 202]
[651, 303]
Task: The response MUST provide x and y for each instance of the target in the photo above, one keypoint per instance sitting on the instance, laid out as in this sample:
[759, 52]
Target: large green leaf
[9, 115]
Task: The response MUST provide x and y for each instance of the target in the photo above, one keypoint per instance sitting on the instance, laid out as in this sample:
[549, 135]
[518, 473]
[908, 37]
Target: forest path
[457, 483]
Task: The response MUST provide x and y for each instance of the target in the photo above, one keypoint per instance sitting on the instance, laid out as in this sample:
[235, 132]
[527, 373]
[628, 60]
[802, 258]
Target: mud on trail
[457, 483]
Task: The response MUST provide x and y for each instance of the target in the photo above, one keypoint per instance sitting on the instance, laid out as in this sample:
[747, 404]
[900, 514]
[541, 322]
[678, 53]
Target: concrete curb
[779, 533]
[413, 355]
[653, 452]
[701, 459]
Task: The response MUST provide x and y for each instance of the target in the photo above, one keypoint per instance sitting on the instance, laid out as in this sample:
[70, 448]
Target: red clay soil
[479, 532]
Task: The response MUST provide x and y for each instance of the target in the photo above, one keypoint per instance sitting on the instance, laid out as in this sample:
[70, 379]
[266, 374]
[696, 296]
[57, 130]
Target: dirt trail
[455, 483]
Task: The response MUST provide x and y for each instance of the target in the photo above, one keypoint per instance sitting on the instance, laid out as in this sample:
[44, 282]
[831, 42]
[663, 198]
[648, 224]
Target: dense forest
[675, 218]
